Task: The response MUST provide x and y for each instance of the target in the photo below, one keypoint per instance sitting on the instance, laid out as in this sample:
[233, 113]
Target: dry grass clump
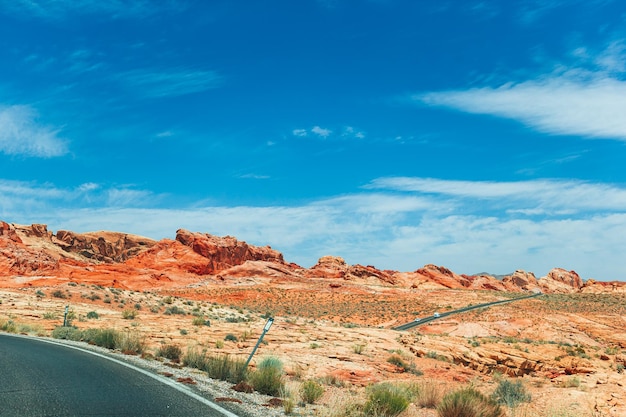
[468, 402]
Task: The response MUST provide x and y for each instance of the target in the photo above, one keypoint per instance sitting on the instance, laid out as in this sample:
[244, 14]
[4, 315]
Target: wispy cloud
[586, 99]
[557, 195]
[557, 105]
[22, 134]
[59, 9]
[170, 83]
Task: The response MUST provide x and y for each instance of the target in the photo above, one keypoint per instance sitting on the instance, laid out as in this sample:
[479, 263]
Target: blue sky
[481, 136]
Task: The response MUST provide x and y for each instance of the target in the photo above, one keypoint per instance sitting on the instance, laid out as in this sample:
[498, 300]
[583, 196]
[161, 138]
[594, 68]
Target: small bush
[50, 315]
[172, 352]
[468, 402]
[311, 391]
[106, 338]
[129, 314]
[198, 321]
[231, 338]
[398, 361]
[8, 326]
[130, 343]
[67, 333]
[511, 394]
[428, 395]
[40, 293]
[358, 348]
[226, 369]
[385, 400]
[268, 378]
[174, 310]
[59, 294]
[195, 358]
[93, 315]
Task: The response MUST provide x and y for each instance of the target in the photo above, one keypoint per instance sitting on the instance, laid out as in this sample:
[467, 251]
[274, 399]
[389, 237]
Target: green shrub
[226, 369]
[172, 352]
[268, 377]
[174, 310]
[386, 400]
[198, 321]
[129, 314]
[511, 394]
[106, 338]
[59, 294]
[398, 361]
[93, 315]
[8, 326]
[67, 333]
[230, 338]
[468, 402]
[311, 391]
[195, 358]
[130, 343]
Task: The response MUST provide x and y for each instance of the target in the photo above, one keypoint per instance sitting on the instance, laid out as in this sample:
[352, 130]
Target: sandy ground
[568, 350]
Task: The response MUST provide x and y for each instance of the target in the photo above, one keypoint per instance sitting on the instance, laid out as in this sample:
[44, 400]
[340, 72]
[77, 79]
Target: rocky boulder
[521, 280]
[561, 281]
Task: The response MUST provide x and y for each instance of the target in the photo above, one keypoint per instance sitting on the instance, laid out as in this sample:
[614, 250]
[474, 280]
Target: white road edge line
[159, 378]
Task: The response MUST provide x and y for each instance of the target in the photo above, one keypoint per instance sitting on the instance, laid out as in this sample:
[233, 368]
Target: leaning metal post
[265, 330]
[65, 316]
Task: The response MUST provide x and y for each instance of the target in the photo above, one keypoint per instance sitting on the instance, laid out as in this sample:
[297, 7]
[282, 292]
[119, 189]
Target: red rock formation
[8, 232]
[336, 267]
[521, 280]
[443, 276]
[225, 252]
[560, 280]
[106, 247]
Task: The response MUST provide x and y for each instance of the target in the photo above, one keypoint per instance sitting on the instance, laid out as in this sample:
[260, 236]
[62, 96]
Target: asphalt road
[428, 319]
[43, 379]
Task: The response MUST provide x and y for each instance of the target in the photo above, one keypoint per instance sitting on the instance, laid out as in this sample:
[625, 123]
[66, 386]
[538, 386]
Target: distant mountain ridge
[34, 256]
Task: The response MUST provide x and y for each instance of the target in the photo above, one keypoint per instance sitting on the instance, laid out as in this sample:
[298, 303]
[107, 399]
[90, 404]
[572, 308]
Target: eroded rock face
[521, 280]
[443, 276]
[225, 252]
[560, 280]
[336, 267]
[8, 232]
[106, 247]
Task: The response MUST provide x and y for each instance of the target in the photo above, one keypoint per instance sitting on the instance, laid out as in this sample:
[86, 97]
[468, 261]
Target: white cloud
[563, 105]
[164, 134]
[22, 134]
[321, 132]
[299, 132]
[558, 195]
[170, 83]
[403, 224]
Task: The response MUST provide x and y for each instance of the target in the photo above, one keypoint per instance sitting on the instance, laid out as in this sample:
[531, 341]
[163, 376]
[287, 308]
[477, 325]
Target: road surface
[425, 320]
[43, 379]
